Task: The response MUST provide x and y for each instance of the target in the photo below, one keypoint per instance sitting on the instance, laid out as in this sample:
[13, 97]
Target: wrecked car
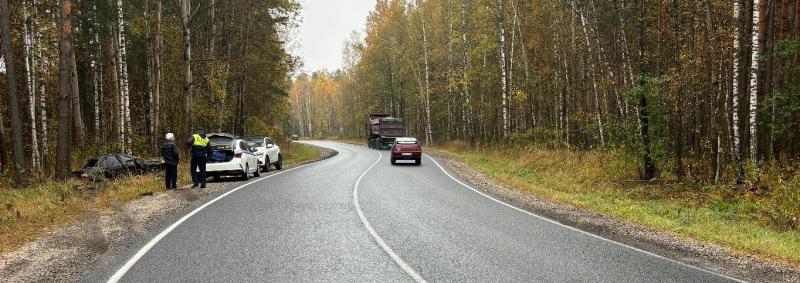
[115, 165]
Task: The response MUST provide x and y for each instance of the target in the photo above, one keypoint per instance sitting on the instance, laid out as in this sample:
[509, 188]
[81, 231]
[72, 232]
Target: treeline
[701, 89]
[92, 76]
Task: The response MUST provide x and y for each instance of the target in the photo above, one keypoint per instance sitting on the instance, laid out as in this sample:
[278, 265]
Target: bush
[784, 206]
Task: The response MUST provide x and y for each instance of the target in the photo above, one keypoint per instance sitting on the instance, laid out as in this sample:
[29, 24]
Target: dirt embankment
[707, 256]
[66, 253]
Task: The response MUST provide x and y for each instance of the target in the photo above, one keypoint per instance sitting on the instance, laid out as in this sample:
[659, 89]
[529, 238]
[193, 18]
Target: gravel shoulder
[704, 255]
[64, 254]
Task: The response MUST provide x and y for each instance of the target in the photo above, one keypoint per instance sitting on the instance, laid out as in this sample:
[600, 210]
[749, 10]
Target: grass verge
[27, 213]
[603, 181]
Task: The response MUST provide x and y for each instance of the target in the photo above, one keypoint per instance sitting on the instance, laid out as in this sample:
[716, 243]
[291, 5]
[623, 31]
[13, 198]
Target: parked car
[230, 156]
[294, 137]
[267, 151]
[406, 149]
[115, 165]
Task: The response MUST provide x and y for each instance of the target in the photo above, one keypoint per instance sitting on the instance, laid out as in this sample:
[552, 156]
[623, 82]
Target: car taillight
[237, 155]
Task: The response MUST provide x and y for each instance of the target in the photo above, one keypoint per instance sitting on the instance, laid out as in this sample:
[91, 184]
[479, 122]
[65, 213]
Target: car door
[272, 150]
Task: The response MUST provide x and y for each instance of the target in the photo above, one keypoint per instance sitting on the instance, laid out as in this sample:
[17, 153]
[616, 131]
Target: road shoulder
[704, 255]
[67, 253]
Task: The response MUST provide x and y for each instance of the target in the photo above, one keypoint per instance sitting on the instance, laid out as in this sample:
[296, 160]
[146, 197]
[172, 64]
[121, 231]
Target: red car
[406, 149]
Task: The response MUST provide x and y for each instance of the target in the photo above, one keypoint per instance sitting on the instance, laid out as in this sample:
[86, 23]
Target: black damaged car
[115, 165]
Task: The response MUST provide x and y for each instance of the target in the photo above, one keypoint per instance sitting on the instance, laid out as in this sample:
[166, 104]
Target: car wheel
[266, 164]
[246, 173]
[392, 160]
[418, 161]
[279, 165]
[258, 172]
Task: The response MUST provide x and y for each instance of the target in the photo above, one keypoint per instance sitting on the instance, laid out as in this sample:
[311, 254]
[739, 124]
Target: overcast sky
[326, 25]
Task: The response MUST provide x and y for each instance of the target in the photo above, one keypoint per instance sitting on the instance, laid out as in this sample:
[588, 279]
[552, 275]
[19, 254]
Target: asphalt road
[355, 217]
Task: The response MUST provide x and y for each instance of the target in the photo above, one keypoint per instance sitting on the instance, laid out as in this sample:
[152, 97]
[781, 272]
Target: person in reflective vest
[199, 149]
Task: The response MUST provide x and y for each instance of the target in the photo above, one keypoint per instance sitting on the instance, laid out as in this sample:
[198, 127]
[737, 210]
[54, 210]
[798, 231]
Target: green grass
[297, 152]
[26, 213]
[605, 182]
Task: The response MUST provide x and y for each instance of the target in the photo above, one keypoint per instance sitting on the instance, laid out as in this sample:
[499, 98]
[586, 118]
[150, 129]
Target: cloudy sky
[326, 25]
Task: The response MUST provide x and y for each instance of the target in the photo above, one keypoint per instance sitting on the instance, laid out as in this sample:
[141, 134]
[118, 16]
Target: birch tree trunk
[63, 166]
[123, 79]
[31, 80]
[428, 130]
[44, 151]
[503, 65]
[758, 7]
[13, 102]
[470, 123]
[591, 72]
[737, 53]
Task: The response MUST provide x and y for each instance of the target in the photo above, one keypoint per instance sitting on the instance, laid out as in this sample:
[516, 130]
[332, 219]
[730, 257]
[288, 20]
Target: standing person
[199, 149]
[169, 151]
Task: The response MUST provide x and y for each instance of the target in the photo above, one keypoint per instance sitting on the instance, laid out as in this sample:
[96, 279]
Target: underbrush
[760, 219]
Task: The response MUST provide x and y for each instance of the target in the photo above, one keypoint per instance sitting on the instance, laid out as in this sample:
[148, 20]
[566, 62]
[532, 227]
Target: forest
[83, 77]
[703, 91]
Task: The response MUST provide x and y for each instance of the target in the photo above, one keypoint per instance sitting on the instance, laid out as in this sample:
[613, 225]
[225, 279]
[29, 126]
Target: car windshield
[406, 141]
[256, 142]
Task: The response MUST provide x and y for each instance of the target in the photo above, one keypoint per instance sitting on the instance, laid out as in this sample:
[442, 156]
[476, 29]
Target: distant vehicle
[230, 156]
[406, 149]
[111, 166]
[267, 151]
[382, 130]
[294, 137]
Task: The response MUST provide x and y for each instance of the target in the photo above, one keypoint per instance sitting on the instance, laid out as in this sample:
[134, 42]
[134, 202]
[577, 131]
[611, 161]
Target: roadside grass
[761, 222]
[297, 152]
[45, 205]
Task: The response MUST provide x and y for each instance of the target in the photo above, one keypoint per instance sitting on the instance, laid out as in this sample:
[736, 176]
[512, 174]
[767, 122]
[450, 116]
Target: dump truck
[382, 130]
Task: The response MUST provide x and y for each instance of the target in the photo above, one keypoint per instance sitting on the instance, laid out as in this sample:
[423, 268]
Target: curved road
[355, 217]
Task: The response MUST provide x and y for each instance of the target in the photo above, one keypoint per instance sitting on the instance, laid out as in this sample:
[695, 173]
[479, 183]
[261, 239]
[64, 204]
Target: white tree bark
[469, 113]
[735, 80]
[428, 130]
[503, 65]
[123, 80]
[754, 69]
[44, 152]
[31, 80]
[594, 82]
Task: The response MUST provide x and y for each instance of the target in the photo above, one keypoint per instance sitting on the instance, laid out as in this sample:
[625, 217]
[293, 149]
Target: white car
[267, 151]
[229, 156]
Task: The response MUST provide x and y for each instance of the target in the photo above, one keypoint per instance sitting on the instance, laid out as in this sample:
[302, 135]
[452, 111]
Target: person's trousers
[171, 176]
[198, 167]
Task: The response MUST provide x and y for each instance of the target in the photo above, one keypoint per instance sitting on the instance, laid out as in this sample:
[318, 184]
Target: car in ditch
[230, 156]
[267, 151]
[111, 166]
[406, 149]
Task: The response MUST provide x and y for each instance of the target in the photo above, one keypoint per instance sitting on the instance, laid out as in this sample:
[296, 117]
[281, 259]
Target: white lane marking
[397, 259]
[576, 229]
[132, 261]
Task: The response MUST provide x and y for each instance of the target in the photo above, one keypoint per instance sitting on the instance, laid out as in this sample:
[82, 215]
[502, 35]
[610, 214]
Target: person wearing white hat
[169, 151]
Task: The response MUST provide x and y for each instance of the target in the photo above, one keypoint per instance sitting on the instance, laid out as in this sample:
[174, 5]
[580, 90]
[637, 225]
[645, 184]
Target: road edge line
[142, 251]
[386, 248]
[579, 230]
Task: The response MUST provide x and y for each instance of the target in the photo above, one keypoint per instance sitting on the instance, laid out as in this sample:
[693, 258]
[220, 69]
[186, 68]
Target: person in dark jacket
[199, 145]
[169, 151]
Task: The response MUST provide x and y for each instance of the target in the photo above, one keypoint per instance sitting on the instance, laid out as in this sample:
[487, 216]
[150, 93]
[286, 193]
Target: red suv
[406, 149]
